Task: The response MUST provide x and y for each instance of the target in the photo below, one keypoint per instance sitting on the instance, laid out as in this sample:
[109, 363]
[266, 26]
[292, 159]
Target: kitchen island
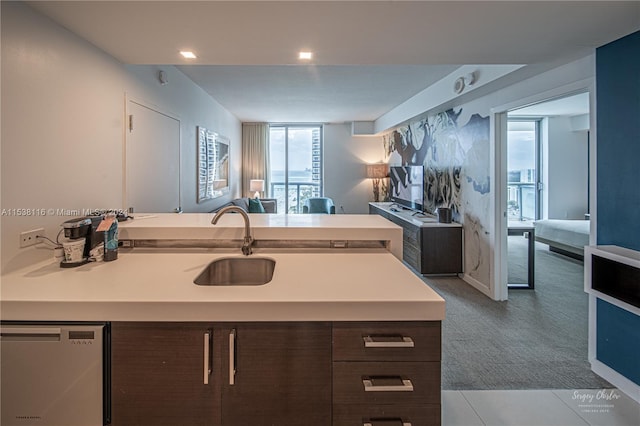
[339, 336]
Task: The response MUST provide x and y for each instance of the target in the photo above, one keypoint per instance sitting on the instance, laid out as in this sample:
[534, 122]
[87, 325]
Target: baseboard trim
[631, 389]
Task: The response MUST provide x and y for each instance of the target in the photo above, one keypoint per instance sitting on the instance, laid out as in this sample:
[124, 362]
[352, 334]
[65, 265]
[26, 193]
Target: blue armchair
[319, 205]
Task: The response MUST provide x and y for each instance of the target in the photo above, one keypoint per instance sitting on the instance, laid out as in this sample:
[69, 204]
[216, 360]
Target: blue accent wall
[618, 186]
[614, 347]
[618, 140]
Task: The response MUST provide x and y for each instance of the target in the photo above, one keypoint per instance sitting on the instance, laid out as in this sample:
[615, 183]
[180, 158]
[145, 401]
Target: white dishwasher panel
[52, 374]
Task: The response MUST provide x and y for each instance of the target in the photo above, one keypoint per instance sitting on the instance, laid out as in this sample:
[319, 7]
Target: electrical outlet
[28, 238]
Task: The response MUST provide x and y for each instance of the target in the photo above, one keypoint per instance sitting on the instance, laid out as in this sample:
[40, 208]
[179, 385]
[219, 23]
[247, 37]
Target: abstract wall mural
[453, 146]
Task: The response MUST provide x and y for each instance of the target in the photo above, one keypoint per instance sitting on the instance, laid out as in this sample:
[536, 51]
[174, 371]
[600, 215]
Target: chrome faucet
[248, 239]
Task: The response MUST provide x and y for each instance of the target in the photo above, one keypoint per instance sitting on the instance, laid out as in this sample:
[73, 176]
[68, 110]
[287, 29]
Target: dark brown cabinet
[386, 373]
[221, 374]
[429, 248]
[277, 374]
[158, 374]
[282, 373]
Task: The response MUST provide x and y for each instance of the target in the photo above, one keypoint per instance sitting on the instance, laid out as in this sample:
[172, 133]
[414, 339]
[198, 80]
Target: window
[523, 170]
[295, 165]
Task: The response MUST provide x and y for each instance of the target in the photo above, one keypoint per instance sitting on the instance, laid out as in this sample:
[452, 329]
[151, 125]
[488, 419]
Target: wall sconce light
[256, 185]
[377, 172]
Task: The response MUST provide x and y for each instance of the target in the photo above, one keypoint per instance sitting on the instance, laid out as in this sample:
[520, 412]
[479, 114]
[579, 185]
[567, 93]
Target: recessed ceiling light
[305, 55]
[187, 54]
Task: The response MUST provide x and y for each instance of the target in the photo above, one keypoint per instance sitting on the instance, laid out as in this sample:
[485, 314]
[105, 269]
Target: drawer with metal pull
[387, 341]
[386, 415]
[386, 382]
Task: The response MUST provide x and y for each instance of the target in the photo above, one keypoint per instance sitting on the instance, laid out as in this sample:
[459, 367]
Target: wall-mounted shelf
[612, 273]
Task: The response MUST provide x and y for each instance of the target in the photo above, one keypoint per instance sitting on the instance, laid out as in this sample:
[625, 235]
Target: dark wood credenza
[429, 247]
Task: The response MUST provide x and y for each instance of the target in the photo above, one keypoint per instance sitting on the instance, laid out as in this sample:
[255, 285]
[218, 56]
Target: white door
[152, 160]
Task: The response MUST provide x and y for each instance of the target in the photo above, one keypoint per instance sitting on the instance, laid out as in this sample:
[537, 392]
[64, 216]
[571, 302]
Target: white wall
[567, 174]
[345, 157]
[194, 107]
[63, 127]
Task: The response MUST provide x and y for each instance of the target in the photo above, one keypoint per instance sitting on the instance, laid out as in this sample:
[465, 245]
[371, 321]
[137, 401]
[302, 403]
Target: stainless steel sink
[237, 271]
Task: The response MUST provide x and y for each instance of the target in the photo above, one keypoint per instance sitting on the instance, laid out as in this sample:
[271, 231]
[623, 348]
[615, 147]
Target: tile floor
[601, 407]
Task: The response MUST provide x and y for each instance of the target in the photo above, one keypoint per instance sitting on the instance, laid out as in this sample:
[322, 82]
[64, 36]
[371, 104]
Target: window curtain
[255, 155]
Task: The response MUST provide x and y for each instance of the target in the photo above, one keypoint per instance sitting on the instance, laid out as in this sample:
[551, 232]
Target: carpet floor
[535, 340]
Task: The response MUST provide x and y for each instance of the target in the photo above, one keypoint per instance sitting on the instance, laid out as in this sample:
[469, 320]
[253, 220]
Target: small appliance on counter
[76, 231]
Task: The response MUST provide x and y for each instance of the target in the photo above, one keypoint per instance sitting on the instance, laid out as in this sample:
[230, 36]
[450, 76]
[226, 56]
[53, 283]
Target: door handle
[207, 357]
[232, 357]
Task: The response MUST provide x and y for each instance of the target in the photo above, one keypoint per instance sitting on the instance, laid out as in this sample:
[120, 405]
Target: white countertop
[264, 226]
[158, 286]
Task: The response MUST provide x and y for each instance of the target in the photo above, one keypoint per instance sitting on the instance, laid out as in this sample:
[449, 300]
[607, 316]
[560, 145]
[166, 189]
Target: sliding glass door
[295, 165]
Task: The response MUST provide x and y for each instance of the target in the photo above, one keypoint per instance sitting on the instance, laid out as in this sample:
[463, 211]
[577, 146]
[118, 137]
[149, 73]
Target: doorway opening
[547, 187]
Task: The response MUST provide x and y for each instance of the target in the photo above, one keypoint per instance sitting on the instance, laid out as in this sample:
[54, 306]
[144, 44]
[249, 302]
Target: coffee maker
[83, 227]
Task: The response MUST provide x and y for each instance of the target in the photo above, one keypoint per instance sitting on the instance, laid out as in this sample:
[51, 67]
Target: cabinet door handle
[377, 422]
[388, 341]
[207, 357]
[232, 357]
[370, 385]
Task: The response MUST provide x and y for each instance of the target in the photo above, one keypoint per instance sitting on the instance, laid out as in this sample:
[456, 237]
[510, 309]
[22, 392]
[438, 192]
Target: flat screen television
[406, 186]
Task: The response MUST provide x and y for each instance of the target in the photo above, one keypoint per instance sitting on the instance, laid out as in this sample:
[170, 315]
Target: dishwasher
[54, 374]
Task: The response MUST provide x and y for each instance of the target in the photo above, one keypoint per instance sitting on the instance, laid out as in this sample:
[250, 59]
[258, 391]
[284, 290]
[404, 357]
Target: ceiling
[369, 56]
[327, 93]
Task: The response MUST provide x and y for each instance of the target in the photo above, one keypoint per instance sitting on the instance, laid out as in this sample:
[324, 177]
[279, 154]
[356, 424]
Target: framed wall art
[213, 164]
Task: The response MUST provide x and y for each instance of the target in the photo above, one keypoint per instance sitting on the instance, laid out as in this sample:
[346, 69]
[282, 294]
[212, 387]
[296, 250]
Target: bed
[567, 237]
